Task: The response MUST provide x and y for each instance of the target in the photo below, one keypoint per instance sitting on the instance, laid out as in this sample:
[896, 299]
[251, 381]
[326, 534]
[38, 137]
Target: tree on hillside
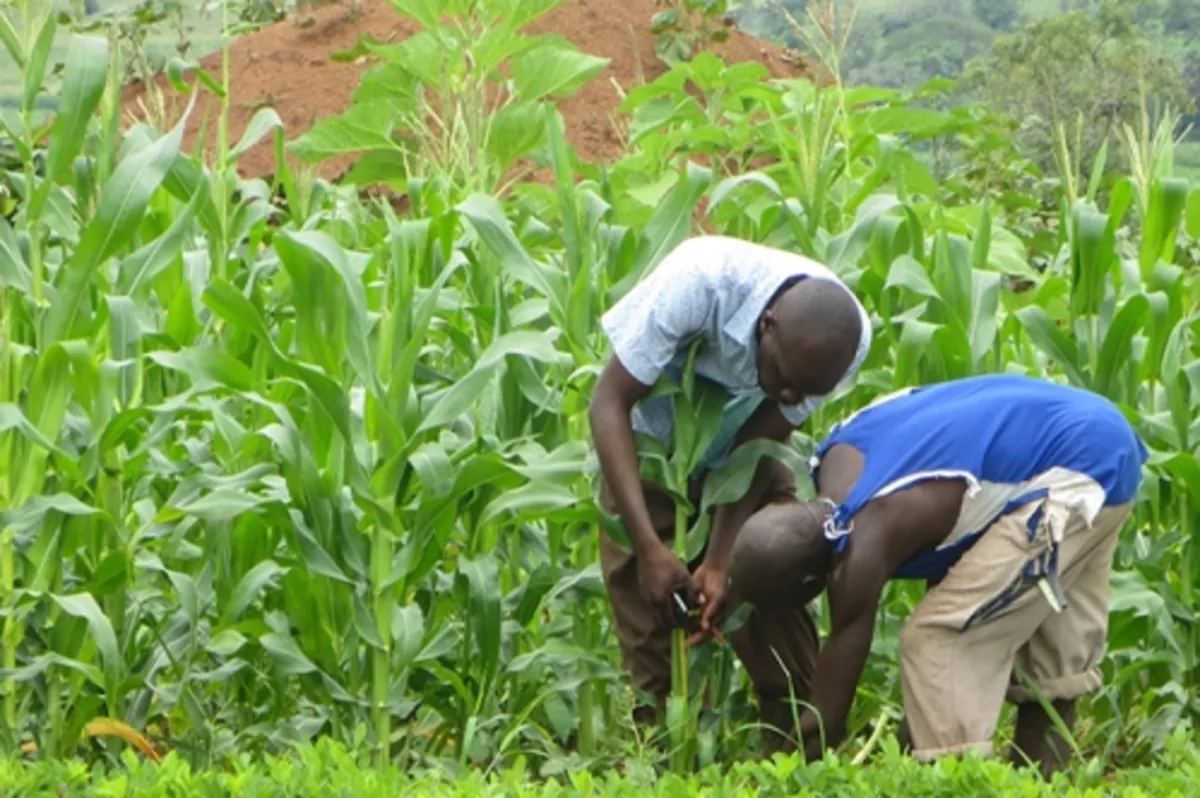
[998, 14]
[1077, 69]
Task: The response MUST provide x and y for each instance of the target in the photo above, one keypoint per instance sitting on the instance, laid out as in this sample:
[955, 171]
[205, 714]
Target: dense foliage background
[283, 460]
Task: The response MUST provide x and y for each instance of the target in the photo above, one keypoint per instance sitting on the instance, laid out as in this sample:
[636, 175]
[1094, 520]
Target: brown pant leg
[645, 648]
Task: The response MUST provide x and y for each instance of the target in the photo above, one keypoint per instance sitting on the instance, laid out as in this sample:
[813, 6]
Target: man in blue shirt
[778, 332]
[1007, 494]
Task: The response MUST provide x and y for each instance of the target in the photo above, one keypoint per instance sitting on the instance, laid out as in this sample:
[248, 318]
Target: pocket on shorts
[1039, 535]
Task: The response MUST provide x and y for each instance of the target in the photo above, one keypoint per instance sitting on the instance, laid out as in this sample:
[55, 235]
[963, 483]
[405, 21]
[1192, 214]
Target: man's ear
[767, 321]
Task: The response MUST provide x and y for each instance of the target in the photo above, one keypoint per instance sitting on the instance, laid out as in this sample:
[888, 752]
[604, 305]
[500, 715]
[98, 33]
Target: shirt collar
[742, 323]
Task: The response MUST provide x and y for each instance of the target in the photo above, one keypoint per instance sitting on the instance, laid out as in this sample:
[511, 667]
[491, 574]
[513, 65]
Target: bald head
[780, 556]
[821, 318]
[809, 335]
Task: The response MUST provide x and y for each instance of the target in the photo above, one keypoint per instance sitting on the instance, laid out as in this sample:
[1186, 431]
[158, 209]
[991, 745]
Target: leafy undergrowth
[328, 769]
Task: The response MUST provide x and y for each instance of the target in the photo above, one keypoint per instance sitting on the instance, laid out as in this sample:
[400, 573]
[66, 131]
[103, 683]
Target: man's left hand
[710, 584]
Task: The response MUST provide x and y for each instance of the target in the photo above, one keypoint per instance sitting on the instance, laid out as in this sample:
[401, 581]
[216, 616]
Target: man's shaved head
[781, 557]
[808, 338]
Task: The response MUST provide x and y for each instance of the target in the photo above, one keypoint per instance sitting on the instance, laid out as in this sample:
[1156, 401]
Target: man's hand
[660, 573]
[710, 584]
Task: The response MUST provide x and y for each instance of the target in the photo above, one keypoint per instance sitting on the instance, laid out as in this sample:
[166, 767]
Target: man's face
[787, 374]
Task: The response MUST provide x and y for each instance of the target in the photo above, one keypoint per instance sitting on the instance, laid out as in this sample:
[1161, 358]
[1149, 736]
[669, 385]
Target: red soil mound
[287, 66]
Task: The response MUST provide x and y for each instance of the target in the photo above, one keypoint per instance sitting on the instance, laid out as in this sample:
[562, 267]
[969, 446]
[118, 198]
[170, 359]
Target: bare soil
[288, 67]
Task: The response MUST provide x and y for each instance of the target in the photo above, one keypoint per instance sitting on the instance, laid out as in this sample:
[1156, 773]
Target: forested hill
[904, 43]
[1085, 68]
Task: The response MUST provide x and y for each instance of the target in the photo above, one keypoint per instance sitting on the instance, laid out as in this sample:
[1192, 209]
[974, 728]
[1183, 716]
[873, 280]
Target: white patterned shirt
[716, 288]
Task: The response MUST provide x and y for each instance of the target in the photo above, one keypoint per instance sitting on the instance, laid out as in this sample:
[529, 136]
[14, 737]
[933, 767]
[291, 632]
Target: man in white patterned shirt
[779, 332]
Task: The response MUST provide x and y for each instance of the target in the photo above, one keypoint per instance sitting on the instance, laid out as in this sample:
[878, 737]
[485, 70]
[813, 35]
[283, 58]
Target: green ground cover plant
[282, 464]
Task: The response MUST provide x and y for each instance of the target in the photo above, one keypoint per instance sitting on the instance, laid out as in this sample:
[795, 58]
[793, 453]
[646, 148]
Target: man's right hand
[660, 573]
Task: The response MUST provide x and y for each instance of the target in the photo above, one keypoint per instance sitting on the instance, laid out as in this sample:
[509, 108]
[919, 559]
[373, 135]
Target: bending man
[1007, 494]
[778, 332]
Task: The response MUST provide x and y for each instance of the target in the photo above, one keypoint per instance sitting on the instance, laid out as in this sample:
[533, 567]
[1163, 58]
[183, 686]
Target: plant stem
[679, 732]
[381, 561]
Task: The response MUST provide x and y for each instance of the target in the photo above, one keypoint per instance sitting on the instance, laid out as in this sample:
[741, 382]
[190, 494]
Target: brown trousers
[646, 645]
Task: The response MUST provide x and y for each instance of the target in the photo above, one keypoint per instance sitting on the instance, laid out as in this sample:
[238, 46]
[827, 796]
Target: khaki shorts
[974, 633]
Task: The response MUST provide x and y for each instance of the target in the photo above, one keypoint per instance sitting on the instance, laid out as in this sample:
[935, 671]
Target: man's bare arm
[886, 533]
[608, 413]
[854, 595]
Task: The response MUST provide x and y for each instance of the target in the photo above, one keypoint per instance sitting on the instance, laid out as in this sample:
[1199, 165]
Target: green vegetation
[279, 462]
[1083, 65]
[329, 769]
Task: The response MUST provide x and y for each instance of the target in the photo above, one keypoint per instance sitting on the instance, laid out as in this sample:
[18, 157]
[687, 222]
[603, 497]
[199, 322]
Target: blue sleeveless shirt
[1010, 438]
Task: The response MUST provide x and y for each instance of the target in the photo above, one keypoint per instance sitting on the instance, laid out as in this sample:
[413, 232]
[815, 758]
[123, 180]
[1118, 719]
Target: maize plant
[280, 464]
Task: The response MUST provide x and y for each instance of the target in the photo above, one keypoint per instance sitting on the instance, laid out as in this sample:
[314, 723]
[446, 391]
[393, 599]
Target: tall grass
[279, 462]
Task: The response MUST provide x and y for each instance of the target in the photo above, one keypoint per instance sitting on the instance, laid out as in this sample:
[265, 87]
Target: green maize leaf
[123, 203]
[83, 85]
[534, 500]
[189, 602]
[32, 514]
[286, 654]
[1053, 341]
[982, 240]
[667, 228]
[434, 469]
[229, 303]
[365, 626]
[1118, 344]
[729, 483]
[177, 65]
[1092, 253]
[487, 218]
[1130, 593]
[264, 121]
[553, 71]
[82, 605]
[1168, 197]
[1193, 213]
[530, 594]
[35, 68]
[985, 301]
[408, 630]
[906, 272]
[227, 643]
[952, 275]
[225, 504]
[728, 188]
[482, 610]
[846, 249]
[316, 558]
[110, 575]
[318, 248]
[13, 269]
[38, 667]
[8, 35]
[915, 339]
[250, 587]
[205, 365]
[455, 401]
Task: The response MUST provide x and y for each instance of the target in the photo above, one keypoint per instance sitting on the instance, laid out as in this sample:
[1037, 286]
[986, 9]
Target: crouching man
[1007, 495]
